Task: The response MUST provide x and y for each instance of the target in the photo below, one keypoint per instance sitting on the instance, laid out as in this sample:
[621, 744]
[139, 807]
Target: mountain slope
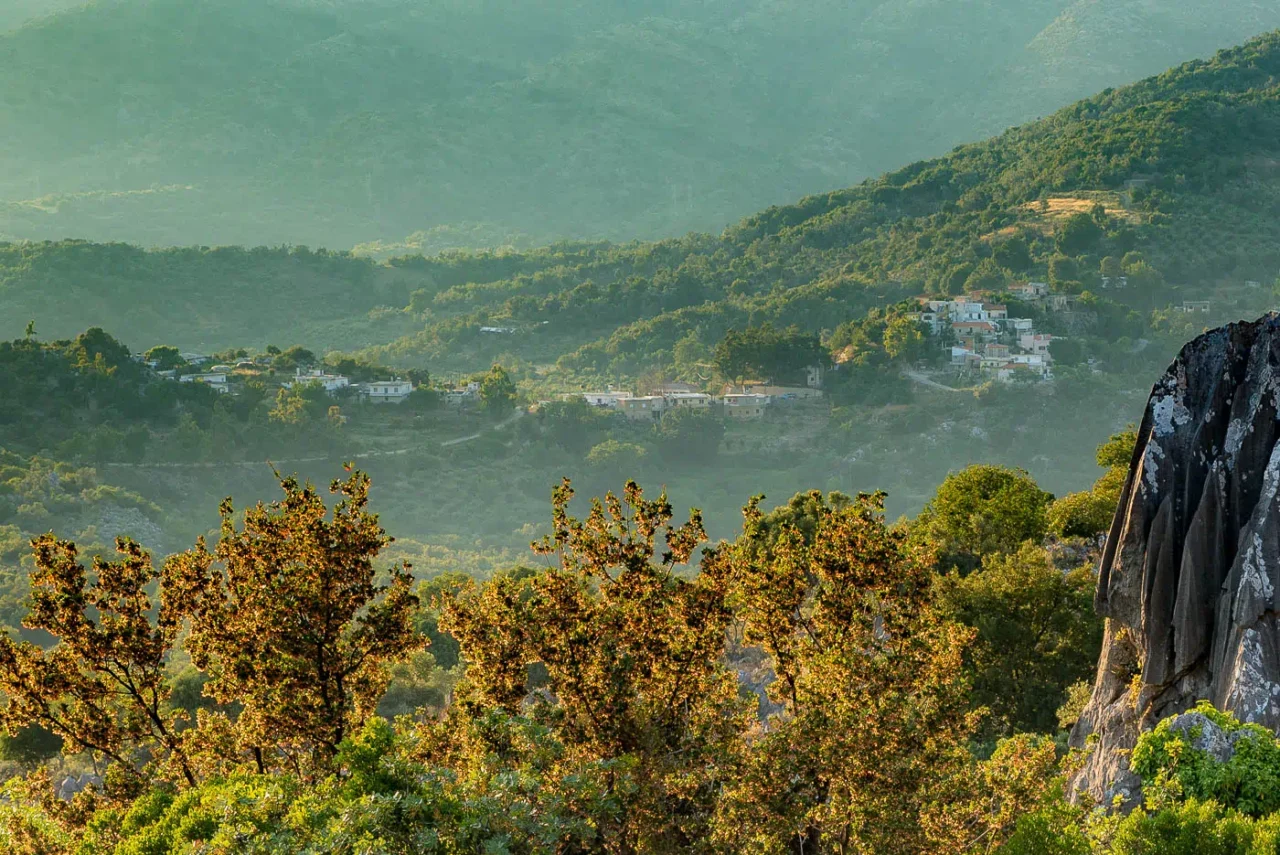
[340, 121]
[1183, 167]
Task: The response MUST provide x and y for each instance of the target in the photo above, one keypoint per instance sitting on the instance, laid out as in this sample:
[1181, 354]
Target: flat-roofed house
[387, 391]
[644, 408]
[745, 406]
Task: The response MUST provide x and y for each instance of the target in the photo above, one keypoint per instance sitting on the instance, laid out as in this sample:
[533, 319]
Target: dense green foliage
[1195, 803]
[1176, 768]
[1037, 634]
[608, 702]
[984, 510]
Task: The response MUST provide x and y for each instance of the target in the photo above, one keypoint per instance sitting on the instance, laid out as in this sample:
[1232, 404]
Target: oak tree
[288, 621]
[101, 686]
[621, 657]
[868, 677]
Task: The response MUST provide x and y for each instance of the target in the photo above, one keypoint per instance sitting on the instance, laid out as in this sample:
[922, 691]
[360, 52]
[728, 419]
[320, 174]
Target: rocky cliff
[1189, 575]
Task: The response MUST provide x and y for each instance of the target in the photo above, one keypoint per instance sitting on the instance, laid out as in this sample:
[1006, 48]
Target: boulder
[1191, 567]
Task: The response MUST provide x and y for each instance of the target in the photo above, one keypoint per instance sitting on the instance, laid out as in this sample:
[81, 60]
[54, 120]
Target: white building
[214, 380]
[610, 399]
[387, 391]
[688, 400]
[930, 319]
[331, 382]
[745, 406]
[1037, 343]
[966, 310]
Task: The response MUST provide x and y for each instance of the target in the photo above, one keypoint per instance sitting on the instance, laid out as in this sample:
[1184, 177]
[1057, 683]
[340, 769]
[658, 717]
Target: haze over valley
[420, 127]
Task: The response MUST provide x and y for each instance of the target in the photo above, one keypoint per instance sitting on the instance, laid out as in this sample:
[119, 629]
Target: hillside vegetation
[484, 123]
[1181, 168]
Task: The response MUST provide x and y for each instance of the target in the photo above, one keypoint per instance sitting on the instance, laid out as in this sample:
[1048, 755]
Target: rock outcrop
[1189, 575]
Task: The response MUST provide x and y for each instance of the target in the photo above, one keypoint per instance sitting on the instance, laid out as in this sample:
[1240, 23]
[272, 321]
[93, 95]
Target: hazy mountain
[14, 13]
[340, 121]
[1184, 165]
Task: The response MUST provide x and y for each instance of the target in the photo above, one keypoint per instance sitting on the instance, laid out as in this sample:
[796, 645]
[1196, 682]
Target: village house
[609, 400]
[997, 313]
[195, 358]
[960, 356]
[458, 396]
[1019, 326]
[1012, 371]
[215, 380]
[983, 330]
[673, 388]
[387, 391]
[688, 400]
[645, 408]
[1037, 343]
[968, 309]
[996, 351]
[332, 383]
[930, 319]
[1030, 291]
[1061, 302]
[814, 375]
[1036, 360]
[745, 406]
[1038, 365]
[799, 393]
[1196, 306]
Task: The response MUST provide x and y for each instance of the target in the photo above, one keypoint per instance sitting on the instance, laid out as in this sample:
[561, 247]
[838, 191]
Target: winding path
[926, 381]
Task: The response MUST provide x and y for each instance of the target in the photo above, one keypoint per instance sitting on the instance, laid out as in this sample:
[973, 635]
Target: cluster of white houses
[219, 377]
[983, 338]
[747, 402]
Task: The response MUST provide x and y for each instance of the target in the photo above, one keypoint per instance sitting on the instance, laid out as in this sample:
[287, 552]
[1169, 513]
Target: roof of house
[975, 325]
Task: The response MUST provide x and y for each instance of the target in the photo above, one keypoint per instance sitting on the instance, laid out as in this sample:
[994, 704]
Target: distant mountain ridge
[1183, 168]
[334, 122]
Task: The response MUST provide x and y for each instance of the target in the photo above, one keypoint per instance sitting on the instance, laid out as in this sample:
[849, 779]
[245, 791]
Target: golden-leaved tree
[621, 658]
[101, 685]
[284, 616]
[874, 711]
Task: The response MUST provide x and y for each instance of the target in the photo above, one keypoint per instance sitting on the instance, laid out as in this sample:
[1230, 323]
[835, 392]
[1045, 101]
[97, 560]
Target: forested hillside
[166, 122]
[1180, 168]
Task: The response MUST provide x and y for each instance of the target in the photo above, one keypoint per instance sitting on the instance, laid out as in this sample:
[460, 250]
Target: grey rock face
[1189, 575]
[1206, 736]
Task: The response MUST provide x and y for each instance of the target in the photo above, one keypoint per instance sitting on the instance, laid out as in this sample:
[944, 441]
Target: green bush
[1173, 769]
